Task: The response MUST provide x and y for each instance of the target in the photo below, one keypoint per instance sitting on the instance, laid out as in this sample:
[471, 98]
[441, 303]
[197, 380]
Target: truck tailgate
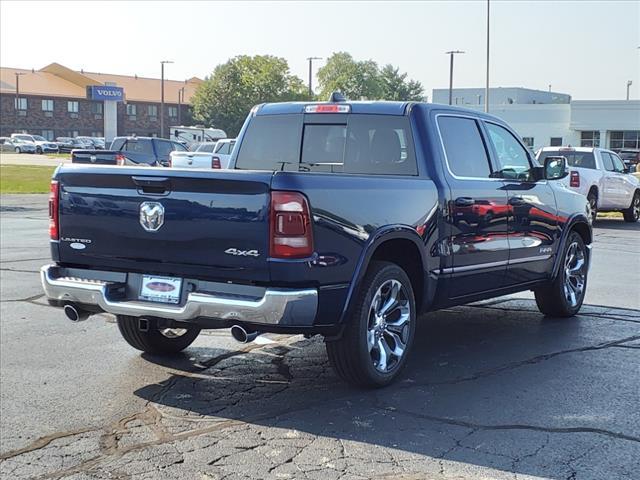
[94, 157]
[214, 225]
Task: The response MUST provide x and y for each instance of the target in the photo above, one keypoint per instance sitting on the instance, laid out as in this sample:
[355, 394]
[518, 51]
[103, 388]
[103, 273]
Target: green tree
[364, 79]
[394, 85]
[354, 79]
[225, 98]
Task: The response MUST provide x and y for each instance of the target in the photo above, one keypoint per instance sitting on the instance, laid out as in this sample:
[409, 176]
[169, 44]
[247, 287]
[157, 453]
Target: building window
[624, 139]
[96, 107]
[47, 105]
[20, 103]
[173, 112]
[152, 110]
[528, 141]
[72, 107]
[590, 138]
[131, 110]
[73, 133]
[96, 134]
[556, 141]
[48, 134]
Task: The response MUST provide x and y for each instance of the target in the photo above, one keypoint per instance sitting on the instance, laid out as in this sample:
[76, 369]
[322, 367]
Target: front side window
[164, 148]
[618, 166]
[607, 161]
[72, 107]
[464, 148]
[47, 105]
[511, 157]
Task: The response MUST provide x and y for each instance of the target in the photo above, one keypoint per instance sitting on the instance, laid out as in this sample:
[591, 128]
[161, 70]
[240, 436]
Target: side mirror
[555, 168]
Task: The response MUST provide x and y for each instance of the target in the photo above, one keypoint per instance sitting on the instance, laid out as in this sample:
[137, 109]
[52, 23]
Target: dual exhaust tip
[240, 334]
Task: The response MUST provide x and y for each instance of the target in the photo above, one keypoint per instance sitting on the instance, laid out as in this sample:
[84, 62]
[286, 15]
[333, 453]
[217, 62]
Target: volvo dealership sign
[105, 93]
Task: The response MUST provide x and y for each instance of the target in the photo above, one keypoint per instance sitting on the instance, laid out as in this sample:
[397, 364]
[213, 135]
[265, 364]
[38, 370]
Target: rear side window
[574, 159]
[464, 148]
[366, 144]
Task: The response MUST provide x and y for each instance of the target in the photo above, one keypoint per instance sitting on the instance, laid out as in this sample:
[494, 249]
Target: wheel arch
[398, 244]
[576, 223]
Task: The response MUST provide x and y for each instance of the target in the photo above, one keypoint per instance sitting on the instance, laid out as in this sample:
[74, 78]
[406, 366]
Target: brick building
[52, 102]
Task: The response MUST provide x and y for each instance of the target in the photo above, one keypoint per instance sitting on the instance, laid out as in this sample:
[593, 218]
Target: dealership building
[544, 118]
[57, 101]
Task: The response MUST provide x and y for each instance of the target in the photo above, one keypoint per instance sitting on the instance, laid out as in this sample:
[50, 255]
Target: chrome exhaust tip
[243, 336]
[74, 313]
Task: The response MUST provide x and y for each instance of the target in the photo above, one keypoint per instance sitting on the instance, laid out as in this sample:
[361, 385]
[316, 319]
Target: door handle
[516, 201]
[464, 201]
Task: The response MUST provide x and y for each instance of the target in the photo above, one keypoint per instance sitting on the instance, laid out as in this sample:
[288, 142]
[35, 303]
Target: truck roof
[367, 107]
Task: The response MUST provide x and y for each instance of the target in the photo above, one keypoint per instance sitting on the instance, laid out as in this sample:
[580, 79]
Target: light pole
[162, 62]
[18, 74]
[486, 89]
[180, 100]
[629, 83]
[451, 54]
[311, 59]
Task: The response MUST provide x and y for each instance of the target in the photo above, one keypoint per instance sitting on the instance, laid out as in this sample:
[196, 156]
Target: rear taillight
[215, 163]
[574, 179]
[290, 229]
[54, 206]
[120, 158]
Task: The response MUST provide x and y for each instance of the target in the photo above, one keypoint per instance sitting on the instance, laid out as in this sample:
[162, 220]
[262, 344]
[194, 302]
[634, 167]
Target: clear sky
[588, 49]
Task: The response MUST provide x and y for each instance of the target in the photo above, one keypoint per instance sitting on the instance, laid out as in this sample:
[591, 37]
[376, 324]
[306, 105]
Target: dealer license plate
[160, 289]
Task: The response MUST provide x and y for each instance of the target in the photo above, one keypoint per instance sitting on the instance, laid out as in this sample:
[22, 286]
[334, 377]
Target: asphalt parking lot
[492, 390]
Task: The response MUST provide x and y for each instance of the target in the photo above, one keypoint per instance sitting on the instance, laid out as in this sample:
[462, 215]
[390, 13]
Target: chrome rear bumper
[277, 306]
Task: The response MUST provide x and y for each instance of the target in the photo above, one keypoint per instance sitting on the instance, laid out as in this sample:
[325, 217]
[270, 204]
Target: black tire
[552, 299]
[632, 214]
[350, 356]
[152, 340]
[39, 151]
[592, 198]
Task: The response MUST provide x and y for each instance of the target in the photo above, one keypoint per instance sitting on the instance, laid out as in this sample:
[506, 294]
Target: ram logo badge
[242, 253]
[151, 216]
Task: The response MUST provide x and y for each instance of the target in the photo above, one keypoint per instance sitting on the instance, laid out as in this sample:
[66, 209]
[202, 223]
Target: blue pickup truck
[341, 219]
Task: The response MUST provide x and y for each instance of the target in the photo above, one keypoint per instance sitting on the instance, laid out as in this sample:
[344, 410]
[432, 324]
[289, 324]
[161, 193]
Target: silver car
[16, 145]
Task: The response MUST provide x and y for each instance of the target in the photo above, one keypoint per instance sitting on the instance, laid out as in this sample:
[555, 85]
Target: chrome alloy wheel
[575, 274]
[389, 325]
[173, 332]
[636, 206]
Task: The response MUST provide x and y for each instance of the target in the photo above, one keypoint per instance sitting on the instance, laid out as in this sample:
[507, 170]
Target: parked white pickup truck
[208, 155]
[600, 176]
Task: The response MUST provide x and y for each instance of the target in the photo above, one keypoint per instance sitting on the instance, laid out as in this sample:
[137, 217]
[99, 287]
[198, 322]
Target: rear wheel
[564, 296]
[39, 150]
[155, 340]
[632, 214]
[18, 150]
[374, 346]
[592, 198]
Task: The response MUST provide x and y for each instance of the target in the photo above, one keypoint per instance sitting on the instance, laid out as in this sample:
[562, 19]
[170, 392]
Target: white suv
[42, 144]
[599, 175]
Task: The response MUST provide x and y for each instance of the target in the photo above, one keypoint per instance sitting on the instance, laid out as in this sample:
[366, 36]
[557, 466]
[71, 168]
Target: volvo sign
[105, 93]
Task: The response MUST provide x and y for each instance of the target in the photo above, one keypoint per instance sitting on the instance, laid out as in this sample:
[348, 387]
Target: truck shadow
[491, 386]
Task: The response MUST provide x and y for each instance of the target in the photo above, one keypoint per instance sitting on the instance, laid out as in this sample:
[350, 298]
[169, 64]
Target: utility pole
[486, 90]
[162, 62]
[629, 83]
[180, 100]
[451, 54]
[18, 74]
[311, 59]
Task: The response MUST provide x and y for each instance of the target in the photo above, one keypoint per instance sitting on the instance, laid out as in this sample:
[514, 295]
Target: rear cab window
[338, 143]
[574, 158]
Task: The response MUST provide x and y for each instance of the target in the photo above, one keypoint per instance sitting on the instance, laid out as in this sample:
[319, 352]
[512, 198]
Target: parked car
[66, 144]
[16, 145]
[631, 158]
[600, 175]
[337, 219]
[42, 144]
[92, 142]
[221, 149]
[142, 151]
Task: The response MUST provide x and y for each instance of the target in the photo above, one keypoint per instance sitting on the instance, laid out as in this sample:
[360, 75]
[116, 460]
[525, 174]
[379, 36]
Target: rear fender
[389, 232]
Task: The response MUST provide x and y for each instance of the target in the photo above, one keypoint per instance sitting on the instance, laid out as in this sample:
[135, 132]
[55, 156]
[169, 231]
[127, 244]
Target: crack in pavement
[28, 299]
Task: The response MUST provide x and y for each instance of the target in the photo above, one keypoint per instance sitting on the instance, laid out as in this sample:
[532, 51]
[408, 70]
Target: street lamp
[486, 88]
[629, 83]
[451, 54]
[162, 62]
[311, 59]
